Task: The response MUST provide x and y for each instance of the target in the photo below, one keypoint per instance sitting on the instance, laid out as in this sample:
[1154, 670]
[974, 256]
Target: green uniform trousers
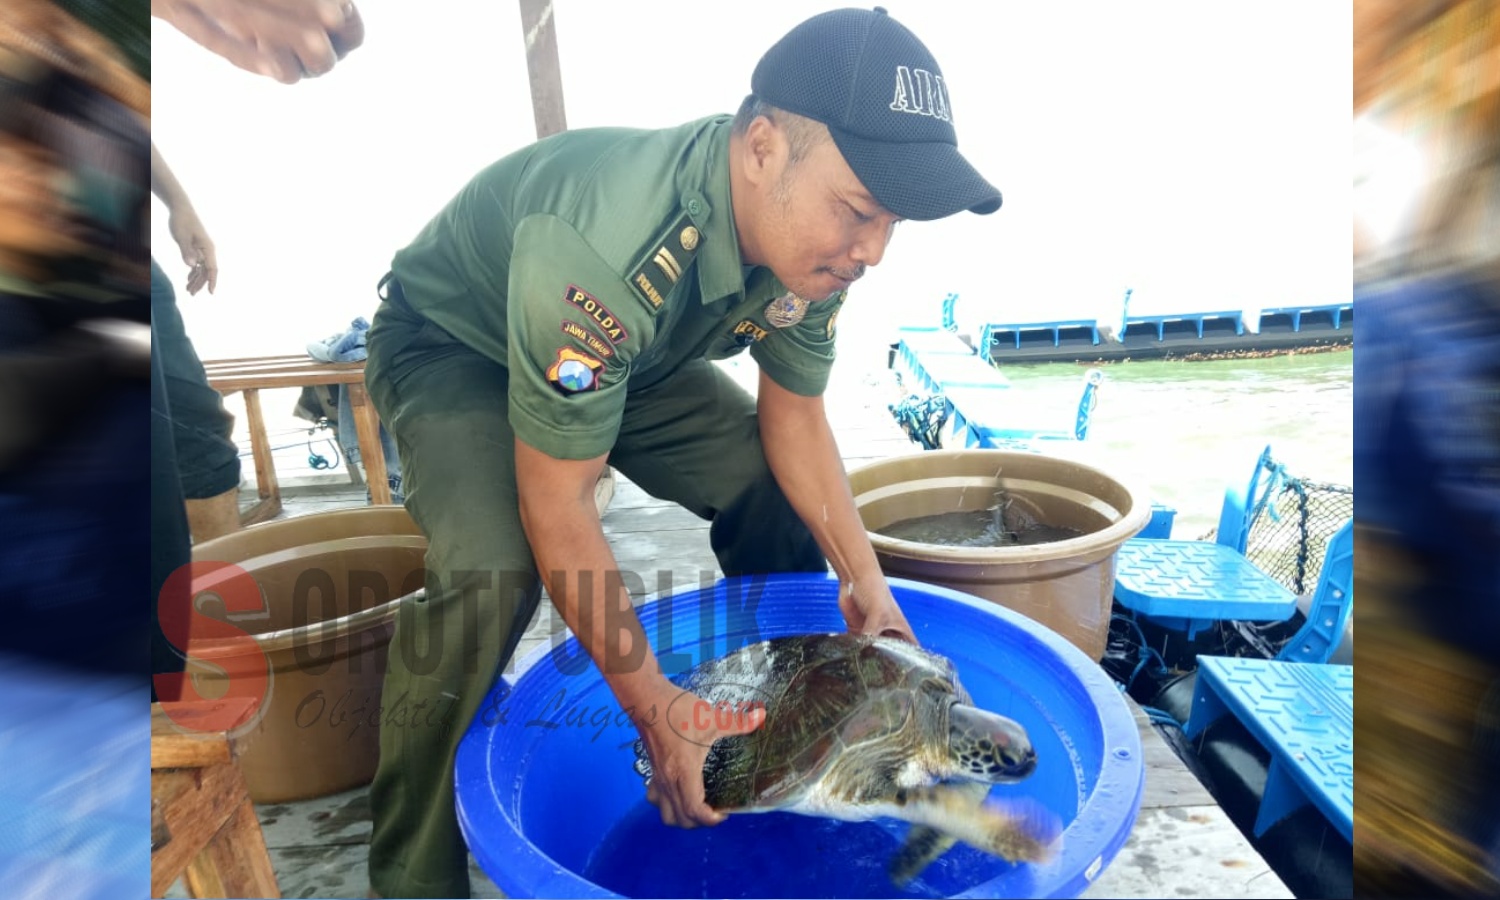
[692, 439]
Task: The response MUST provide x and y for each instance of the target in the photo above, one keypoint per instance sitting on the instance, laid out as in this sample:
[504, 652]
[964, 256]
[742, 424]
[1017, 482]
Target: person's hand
[197, 249]
[287, 40]
[678, 744]
[869, 608]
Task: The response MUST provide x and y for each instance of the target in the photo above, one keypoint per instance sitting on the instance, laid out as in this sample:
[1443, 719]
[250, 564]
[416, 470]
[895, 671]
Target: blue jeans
[349, 442]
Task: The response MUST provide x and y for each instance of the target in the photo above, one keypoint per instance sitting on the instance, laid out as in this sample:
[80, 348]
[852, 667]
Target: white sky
[1198, 152]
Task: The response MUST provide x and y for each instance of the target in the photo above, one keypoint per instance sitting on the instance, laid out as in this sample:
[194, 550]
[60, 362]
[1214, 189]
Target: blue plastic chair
[1332, 602]
[1188, 585]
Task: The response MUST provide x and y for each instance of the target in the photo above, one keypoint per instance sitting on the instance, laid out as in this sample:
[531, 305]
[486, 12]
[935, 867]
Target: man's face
[820, 228]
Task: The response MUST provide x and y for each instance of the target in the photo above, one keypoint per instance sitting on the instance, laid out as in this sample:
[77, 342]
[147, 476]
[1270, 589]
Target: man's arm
[187, 229]
[164, 183]
[287, 40]
[581, 575]
[804, 457]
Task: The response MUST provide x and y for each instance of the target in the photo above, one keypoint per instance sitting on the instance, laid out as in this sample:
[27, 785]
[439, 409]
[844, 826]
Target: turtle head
[984, 746]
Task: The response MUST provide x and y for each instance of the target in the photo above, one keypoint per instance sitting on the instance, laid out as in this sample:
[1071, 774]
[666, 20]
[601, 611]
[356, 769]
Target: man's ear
[765, 152]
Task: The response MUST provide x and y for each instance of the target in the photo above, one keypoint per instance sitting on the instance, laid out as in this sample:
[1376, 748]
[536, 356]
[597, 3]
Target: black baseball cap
[884, 100]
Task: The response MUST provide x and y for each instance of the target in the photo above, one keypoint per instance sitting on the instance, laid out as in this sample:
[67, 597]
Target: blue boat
[1201, 333]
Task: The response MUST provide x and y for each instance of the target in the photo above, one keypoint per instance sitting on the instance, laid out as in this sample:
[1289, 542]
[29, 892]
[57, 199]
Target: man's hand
[197, 249]
[287, 40]
[678, 747]
[871, 609]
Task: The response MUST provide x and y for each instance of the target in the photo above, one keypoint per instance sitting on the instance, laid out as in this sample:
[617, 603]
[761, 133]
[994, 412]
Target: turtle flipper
[925, 843]
[1017, 830]
[923, 846]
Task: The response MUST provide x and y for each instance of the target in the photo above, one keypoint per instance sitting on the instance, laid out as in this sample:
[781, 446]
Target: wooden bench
[252, 375]
[203, 825]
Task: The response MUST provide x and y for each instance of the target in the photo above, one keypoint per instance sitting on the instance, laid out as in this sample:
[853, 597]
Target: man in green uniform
[562, 313]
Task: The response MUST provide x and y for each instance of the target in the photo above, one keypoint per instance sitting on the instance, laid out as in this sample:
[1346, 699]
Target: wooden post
[371, 454]
[539, 30]
[266, 485]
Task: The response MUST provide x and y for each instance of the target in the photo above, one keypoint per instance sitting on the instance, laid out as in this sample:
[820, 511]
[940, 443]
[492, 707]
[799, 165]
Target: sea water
[1187, 429]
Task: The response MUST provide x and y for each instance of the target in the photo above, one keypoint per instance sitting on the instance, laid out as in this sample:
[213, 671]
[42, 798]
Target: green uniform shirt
[598, 261]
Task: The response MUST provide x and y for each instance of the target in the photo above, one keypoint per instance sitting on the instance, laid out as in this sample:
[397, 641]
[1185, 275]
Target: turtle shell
[847, 715]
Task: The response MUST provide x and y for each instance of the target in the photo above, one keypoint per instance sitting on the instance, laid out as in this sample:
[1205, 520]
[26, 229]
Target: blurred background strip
[1426, 94]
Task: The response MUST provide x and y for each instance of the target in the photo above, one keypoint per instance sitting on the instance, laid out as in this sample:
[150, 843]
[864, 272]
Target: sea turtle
[1018, 520]
[859, 727]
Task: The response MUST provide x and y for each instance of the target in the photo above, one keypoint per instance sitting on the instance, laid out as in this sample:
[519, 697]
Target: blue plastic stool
[1188, 585]
[1303, 714]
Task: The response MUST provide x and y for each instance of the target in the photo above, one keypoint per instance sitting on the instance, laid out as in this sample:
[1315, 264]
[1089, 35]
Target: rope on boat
[315, 460]
[922, 418]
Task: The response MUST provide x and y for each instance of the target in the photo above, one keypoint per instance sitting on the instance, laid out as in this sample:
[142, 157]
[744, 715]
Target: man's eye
[859, 216]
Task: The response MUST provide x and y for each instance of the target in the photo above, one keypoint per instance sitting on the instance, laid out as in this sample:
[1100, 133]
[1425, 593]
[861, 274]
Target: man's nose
[869, 248]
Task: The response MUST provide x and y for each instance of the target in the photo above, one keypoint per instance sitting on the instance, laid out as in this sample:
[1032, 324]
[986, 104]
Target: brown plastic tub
[330, 584]
[1065, 585]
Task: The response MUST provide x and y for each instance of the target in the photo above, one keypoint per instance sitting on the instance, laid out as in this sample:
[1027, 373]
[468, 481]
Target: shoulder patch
[592, 341]
[573, 371]
[597, 311]
[666, 260]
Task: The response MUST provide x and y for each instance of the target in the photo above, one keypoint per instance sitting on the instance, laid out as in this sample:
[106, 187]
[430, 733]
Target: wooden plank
[230, 382]
[189, 750]
[680, 545]
[195, 804]
[663, 516]
[629, 495]
[242, 360]
[191, 733]
[263, 511]
[371, 454]
[235, 863]
[1168, 780]
[276, 363]
[1193, 851]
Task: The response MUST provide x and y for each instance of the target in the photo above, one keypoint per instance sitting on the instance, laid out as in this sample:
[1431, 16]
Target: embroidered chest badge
[573, 371]
[786, 310]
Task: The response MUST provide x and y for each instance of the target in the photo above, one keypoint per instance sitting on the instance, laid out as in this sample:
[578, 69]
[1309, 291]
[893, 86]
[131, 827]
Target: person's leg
[694, 439]
[446, 407]
[171, 542]
[207, 457]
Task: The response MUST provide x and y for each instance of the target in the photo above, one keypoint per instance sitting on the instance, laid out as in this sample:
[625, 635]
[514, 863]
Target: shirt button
[694, 207]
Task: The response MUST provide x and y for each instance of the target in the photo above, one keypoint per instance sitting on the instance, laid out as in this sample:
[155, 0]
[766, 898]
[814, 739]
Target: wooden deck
[1183, 844]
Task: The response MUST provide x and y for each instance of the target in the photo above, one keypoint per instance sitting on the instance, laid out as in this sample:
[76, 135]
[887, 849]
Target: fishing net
[1291, 524]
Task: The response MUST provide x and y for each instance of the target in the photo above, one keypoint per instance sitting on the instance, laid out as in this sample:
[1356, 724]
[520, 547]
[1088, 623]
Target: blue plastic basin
[551, 806]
